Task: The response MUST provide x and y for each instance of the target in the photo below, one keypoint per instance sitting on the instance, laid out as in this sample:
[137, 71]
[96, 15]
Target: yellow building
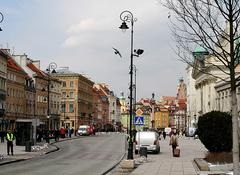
[161, 117]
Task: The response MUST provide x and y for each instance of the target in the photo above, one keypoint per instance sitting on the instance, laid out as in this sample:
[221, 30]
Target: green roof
[199, 50]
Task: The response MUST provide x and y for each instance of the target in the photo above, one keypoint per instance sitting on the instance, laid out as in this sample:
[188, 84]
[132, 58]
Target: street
[86, 155]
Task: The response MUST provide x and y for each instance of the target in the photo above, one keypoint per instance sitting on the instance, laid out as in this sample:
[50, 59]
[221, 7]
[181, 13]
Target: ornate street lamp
[1, 20]
[51, 69]
[127, 16]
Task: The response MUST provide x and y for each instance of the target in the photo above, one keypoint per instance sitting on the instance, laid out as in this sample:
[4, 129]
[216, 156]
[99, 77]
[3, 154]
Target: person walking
[56, 135]
[173, 141]
[62, 133]
[10, 138]
[2, 135]
[69, 131]
[47, 138]
[164, 135]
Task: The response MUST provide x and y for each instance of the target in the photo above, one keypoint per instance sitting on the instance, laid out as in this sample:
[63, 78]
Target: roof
[4, 53]
[168, 100]
[182, 103]
[36, 70]
[12, 64]
[200, 50]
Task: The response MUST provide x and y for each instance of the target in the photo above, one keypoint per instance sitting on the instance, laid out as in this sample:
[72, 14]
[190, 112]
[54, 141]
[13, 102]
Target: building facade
[206, 76]
[191, 98]
[76, 100]
[3, 77]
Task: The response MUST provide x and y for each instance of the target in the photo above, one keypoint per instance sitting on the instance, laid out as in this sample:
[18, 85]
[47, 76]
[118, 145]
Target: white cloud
[89, 29]
[71, 42]
[87, 24]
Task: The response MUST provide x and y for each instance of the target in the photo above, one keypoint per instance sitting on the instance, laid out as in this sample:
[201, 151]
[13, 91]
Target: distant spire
[181, 79]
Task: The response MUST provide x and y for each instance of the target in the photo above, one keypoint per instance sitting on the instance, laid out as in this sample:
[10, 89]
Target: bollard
[143, 151]
[28, 146]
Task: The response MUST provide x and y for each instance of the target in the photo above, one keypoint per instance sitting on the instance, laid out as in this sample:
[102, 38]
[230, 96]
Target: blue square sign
[138, 120]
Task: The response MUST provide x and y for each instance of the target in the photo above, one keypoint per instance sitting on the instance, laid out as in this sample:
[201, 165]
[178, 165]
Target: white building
[206, 76]
[191, 97]
[224, 96]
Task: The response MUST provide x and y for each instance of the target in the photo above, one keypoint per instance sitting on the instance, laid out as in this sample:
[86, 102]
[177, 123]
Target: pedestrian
[66, 132]
[69, 132]
[173, 141]
[2, 135]
[56, 135]
[10, 138]
[47, 133]
[72, 131]
[62, 133]
[164, 134]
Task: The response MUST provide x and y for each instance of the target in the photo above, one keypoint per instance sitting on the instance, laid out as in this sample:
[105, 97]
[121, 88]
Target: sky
[80, 34]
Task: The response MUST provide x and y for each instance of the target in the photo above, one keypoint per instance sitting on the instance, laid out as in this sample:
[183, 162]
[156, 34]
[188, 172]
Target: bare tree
[214, 25]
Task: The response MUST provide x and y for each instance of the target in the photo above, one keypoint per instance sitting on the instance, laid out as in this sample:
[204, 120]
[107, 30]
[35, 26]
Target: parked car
[84, 130]
[148, 139]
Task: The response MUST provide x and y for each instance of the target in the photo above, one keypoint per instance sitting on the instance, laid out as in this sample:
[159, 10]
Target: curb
[47, 152]
[11, 161]
[114, 166]
[201, 164]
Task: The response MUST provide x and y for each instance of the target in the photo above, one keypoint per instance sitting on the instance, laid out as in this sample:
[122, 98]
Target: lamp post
[51, 69]
[127, 16]
[1, 19]
[135, 89]
[152, 110]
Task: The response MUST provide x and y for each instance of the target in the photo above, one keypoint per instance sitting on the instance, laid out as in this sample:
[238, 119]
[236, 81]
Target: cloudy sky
[80, 34]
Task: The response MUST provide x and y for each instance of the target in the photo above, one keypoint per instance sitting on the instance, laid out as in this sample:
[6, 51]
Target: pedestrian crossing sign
[138, 120]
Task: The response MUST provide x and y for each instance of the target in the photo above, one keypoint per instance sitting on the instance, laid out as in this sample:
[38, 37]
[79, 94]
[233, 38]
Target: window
[64, 84]
[63, 94]
[72, 123]
[71, 108]
[63, 107]
[71, 94]
[71, 84]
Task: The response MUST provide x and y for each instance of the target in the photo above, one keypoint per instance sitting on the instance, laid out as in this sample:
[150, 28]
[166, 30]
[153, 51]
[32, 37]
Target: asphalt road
[91, 155]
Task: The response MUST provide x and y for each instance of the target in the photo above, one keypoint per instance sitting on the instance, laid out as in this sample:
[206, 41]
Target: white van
[148, 139]
[84, 130]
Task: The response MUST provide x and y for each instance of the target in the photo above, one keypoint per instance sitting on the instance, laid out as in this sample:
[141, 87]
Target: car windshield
[82, 129]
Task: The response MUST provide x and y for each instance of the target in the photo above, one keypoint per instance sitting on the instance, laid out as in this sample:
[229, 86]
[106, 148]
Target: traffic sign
[138, 120]
[139, 112]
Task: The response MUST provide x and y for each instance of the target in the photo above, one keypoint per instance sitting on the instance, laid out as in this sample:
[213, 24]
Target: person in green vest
[10, 138]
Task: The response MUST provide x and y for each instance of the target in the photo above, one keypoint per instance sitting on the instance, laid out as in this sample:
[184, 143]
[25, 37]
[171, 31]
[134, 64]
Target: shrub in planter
[215, 131]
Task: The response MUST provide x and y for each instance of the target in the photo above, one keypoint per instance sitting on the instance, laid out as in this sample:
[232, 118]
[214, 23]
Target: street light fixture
[1, 20]
[51, 69]
[127, 16]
